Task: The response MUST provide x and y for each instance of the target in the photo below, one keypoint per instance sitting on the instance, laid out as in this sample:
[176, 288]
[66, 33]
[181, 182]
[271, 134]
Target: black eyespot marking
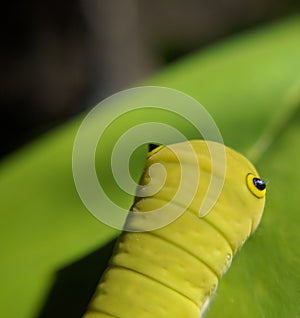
[256, 185]
[259, 183]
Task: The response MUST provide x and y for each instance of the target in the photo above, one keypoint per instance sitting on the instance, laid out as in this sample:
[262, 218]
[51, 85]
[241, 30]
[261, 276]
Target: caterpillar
[173, 271]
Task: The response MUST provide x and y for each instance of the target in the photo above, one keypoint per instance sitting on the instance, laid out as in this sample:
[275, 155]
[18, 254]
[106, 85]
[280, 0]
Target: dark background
[60, 57]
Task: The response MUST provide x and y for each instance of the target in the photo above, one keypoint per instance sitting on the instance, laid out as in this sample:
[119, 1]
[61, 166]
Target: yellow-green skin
[173, 271]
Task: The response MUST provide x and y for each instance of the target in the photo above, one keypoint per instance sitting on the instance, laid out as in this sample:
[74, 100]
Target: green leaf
[243, 83]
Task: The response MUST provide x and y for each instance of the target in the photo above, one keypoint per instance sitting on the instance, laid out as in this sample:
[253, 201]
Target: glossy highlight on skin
[173, 271]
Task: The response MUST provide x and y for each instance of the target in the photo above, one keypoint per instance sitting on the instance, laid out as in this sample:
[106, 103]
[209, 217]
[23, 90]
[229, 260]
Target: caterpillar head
[239, 209]
[206, 173]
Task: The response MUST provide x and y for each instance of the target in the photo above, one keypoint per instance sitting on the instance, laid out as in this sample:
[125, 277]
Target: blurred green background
[48, 236]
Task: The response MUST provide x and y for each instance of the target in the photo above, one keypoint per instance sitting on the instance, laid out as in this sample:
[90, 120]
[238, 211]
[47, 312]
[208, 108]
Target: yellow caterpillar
[174, 270]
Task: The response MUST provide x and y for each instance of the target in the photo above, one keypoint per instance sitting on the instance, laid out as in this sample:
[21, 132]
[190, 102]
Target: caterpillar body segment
[173, 271]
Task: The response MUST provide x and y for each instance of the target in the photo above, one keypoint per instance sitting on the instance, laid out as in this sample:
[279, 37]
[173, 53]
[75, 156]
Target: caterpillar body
[174, 270]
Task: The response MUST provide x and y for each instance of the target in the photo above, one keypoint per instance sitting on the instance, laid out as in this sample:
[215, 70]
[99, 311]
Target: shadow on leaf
[75, 284]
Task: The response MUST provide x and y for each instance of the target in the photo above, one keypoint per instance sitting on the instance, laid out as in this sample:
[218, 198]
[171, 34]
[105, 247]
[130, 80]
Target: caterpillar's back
[173, 271]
